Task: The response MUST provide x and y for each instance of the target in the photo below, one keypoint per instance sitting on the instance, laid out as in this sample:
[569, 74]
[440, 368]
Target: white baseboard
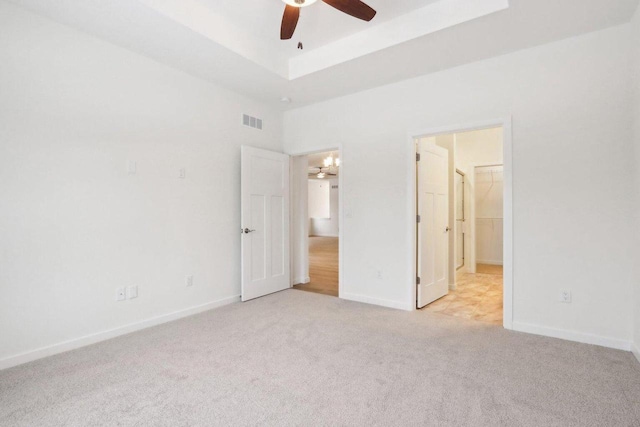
[376, 301]
[86, 340]
[636, 351]
[581, 337]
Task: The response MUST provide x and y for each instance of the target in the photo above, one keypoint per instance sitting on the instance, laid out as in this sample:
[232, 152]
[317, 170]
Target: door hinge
[417, 280]
[419, 219]
[417, 157]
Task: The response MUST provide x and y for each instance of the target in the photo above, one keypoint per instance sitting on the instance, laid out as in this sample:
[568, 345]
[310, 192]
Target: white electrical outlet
[132, 292]
[565, 296]
[189, 281]
[121, 294]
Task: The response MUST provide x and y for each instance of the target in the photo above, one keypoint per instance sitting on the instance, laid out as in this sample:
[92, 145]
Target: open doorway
[318, 222]
[465, 246]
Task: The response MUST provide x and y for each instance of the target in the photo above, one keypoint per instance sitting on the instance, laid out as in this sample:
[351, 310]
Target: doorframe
[507, 148]
[335, 148]
[455, 226]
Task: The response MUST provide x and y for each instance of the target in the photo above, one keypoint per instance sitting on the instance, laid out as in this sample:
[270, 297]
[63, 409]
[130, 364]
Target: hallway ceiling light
[329, 167]
[331, 161]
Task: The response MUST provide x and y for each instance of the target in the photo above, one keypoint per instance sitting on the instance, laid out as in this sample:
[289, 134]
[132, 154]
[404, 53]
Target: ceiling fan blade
[355, 8]
[289, 22]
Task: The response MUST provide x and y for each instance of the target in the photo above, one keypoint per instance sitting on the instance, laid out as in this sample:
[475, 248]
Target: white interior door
[433, 211]
[265, 222]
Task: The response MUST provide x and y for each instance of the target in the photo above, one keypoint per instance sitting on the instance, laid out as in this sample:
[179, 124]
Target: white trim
[581, 337]
[86, 340]
[507, 224]
[337, 148]
[376, 301]
[293, 235]
[505, 123]
[636, 351]
[494, 262]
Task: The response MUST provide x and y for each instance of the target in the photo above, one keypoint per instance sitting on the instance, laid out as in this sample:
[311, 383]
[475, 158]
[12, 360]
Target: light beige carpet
[298, 358]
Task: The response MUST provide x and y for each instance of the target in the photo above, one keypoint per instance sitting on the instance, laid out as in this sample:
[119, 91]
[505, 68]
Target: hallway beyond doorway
[477, 296]
[323, 266]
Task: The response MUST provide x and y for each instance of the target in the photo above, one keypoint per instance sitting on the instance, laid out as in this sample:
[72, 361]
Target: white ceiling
[236, 43]
[252, 29]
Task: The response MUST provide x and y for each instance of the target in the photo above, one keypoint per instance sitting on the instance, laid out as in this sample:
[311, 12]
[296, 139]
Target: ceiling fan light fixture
[355, 8]
[321, 175]
[299, 3]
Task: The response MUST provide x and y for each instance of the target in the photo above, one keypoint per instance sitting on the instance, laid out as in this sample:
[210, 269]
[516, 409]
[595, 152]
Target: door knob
[447, 230]
[247, 231]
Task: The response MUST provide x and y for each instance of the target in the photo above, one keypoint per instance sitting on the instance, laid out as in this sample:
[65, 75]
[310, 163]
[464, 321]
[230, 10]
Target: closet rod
[489, 166]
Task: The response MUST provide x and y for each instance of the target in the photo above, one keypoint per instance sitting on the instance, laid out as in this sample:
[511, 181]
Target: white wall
[319, 196]
[636, 76]
[481, 147]
[570, 104]
[74, 225]
[328, 227]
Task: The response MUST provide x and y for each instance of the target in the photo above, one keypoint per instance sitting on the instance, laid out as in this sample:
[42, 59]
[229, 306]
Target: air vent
[252, 122]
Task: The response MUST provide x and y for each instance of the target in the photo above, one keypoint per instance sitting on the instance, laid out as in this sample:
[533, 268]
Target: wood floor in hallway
[477, 296]
[323, 266]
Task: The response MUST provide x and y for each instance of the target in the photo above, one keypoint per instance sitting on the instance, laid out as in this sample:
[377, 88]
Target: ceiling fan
[322, 172]
[330, 163]
[355, 8]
